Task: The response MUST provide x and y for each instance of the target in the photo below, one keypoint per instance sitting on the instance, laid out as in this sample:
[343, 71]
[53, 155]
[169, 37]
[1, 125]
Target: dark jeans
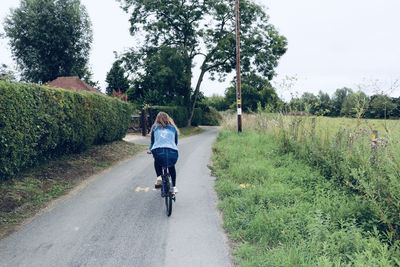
[171, 171]
[165, 157]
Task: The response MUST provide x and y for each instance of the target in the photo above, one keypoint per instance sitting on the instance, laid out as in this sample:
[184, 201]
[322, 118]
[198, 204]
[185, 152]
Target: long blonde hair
[163, 119]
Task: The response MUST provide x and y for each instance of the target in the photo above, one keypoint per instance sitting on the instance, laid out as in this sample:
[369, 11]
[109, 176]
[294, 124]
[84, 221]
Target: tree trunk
[186, 98]
[195, 95]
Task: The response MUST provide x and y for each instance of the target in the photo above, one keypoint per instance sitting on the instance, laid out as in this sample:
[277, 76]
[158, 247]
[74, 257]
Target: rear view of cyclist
[164, 141]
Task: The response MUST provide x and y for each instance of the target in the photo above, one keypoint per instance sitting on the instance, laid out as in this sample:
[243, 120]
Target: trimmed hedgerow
[38, 123]
[201, 116]
[178, 113]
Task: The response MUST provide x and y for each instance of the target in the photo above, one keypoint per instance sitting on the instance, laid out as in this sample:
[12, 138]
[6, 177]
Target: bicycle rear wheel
[168, 196]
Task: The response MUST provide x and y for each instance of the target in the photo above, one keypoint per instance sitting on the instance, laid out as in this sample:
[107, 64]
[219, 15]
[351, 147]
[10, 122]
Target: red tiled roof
[72, 83]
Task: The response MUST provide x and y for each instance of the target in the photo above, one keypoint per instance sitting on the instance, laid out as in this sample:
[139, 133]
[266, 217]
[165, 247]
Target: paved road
[114, 222]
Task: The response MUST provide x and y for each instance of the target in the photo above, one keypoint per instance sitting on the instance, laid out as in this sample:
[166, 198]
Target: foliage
[396, 110]
[346, 152]
[355, 104]
[279, 211]
[380, 106]
[163, 81]
[120, 95]
[178, 114]
[188, 25]
[346, 155]
[38, 123]
[203, 115]
[216, 101]
[49, 38]
[6, 74]
[325, 105]
[211, 117]
[116, 79]
[255, 89]
[345, 102]
[338, 99]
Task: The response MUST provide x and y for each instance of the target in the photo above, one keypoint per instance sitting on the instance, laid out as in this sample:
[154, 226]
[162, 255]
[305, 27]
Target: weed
[289, 214]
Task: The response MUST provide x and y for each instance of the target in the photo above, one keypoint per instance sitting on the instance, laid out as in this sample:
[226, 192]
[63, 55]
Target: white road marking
[140, 189]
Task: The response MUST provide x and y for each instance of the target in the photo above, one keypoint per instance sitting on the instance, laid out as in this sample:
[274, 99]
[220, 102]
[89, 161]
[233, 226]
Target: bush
[181, 115]
[280, 211]
[211, 117]
[218, 102]
[38, 123]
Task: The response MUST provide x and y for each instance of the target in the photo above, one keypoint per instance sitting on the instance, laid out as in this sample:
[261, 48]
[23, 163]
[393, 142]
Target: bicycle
[167, 190]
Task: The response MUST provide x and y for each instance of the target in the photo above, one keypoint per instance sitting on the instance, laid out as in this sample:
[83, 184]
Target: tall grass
[279, 211]
[347, 152]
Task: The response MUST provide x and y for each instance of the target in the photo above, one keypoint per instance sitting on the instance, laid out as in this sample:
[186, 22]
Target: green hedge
[38, 123]
[181, 115]
[210, 116]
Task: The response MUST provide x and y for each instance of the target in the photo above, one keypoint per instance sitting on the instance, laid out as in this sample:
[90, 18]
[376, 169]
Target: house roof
[72, 83]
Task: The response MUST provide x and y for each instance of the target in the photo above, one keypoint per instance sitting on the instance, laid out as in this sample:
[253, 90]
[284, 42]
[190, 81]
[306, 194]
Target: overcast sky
[332, 43]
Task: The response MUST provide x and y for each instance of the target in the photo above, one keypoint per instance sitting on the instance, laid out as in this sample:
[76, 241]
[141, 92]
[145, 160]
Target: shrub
[38, 123]
[280, 211]
[346, 152]
[211, 117]
[181, 115]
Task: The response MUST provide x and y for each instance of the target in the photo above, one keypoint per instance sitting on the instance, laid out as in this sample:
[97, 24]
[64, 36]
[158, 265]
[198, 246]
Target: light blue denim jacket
[164, 137]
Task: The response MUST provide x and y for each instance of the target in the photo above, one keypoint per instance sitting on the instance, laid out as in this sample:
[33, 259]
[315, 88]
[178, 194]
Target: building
[72, 83]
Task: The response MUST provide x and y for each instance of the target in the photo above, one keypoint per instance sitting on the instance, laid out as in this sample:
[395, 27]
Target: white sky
[332, 43]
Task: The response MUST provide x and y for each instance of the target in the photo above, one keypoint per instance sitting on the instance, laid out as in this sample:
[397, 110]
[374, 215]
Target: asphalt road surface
[119, 220]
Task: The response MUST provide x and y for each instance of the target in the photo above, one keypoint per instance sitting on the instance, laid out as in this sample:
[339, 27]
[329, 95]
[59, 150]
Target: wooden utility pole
[238, 82]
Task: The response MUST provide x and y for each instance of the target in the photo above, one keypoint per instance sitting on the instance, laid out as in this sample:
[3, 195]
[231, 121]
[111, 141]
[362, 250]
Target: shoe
[175, 190]
[158, 182]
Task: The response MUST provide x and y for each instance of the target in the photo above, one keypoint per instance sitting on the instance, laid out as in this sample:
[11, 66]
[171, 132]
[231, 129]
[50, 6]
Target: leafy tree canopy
[116, 79]
[217, 101]
[338, 99]
[380, 106]
[355, 104]
[49, 38]
[162, 80]
[256, 91]
[207, 29]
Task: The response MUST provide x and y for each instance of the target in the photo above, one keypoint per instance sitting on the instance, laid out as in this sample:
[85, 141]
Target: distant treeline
[344, 102]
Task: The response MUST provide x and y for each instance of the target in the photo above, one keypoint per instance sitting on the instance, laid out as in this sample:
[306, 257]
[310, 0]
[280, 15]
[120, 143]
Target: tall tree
[256, 91]
[207, 29]
[49, 38]
[325, 104]
[163, 78]
[380, 106]
[396, 110]
[116, 79]
[338, 99]
[355, 104]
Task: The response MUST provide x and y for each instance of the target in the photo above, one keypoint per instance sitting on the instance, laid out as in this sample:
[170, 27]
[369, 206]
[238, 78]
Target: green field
[296, 191]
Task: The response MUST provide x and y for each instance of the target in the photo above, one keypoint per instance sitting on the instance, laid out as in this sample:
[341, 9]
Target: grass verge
[22, 197]
[279, 211]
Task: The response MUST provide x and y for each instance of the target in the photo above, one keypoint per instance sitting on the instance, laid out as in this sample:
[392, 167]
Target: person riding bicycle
[164, 147]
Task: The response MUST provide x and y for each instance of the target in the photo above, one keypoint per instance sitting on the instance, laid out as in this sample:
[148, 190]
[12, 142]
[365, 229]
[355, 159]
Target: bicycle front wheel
[168, 204]
[168, 196]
